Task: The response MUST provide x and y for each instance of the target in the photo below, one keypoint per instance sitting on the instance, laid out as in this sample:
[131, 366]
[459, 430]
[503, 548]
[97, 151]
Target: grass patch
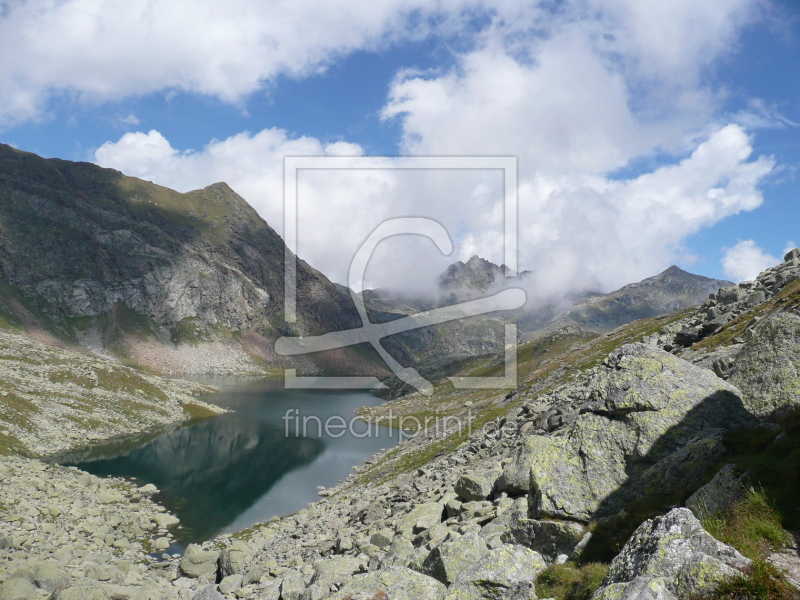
[196, 411]
[761, 582]
[753, 526]
[570, 581]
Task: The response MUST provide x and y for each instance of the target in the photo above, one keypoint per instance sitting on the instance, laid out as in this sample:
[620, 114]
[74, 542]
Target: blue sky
[640, 131]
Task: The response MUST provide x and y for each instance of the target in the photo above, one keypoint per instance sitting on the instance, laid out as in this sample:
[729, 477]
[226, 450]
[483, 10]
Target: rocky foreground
[557, 478]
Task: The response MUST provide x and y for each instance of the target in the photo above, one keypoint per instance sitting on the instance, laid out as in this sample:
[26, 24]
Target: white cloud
[790, 245]
[745, 260]
[130, 120]
[577, 96]
[98, 50]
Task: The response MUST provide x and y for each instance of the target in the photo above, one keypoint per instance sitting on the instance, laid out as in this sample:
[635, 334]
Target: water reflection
[228, 472]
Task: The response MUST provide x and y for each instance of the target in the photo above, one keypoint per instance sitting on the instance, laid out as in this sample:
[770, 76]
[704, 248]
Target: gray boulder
[199, 564]
[676, 549]
[17, 588]
[50, 577]
[640, 407]
[335, 570]
[292, 586]
[508, 572]
[232, 560]
[208, 592]
[641, 588]
[83, 589]
[396, 583]
[474, 486]
[718, 495]
[421, 517]
[767, 370]
[448, 559]
[548, 538]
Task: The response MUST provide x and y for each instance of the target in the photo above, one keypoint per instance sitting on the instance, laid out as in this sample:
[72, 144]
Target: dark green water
[226, 473]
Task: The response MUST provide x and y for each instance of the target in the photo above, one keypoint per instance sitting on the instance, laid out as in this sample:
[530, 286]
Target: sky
[646, 134]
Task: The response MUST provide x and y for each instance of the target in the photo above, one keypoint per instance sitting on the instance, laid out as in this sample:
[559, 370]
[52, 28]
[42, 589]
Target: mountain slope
[173, 281]
[673, 289]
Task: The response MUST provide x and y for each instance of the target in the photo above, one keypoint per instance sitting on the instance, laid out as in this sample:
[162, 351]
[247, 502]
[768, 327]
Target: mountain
[176, 282]
[672, 290]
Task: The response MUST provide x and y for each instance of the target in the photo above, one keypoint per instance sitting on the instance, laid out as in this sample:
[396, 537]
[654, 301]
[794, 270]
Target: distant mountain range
[93, 259]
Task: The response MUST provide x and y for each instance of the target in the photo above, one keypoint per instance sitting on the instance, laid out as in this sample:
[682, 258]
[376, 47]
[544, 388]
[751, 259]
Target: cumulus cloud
[745, 260]
[578, 95]
[97, 50]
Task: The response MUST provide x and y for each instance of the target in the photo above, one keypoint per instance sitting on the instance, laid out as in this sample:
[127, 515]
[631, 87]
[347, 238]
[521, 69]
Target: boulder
[396, 583]
[507, 572]
[767, 370]
[641, 588]
[684, 469]
[199, 564]
[50, 577]
[208, 592]
[474, 486]
[421, 517]
[83, 589]
[792, 255]
[718, 495]
[550, 539]
[449, 558]
[233, 559]
[292, 586]
[335, 570]
[17, 588]
[642, 406]
[678, 550]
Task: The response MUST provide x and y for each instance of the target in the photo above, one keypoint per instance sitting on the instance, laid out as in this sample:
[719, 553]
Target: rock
[230, 583]
[335, 570]
[49, 577]
[160, 544]
[421, 517]
[83, 589]
[382, 538]
[474, 486]
[292, 586]
[767, 370]
[640, 407]
[507, 572]
[718, 495]
[400, 553]
[164, 520]
[792, 255]
[17, 588]
[396, 583]
[233, 559]
[684, 469]
[730, 295]
[101, 572]
[199, 564]
[548, 538]
[641, 588]
[147, 489]
[208, 592]
[448, 559]
[677, 549]
[516, 476]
